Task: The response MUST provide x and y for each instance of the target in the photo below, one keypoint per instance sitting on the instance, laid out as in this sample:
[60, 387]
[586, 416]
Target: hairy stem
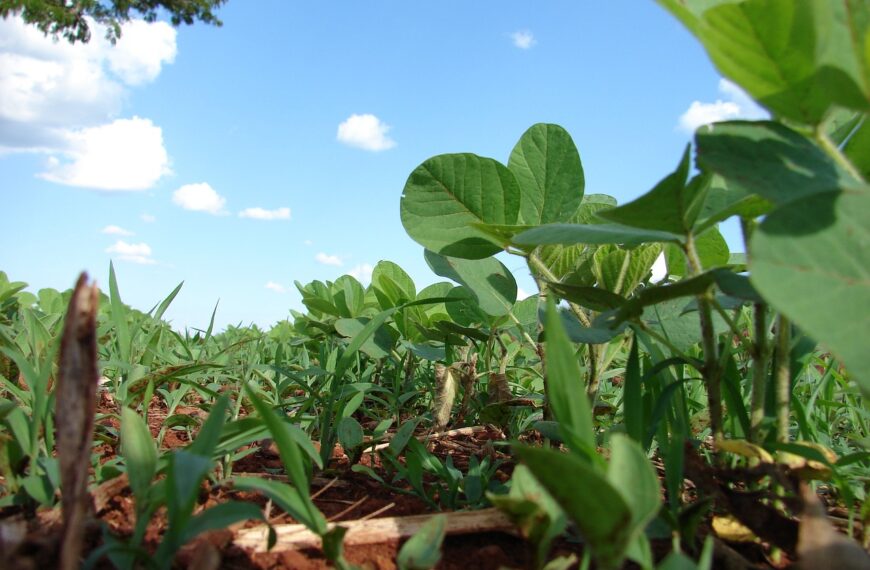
[759, 371]
[783, 377]
[712, 370]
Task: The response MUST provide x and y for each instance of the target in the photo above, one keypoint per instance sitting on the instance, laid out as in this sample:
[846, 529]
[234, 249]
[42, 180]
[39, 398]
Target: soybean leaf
[488, 280]
[769, 159]
[350, 433]
[423, 550]
[712, 252]
[726, 198]
[596, 234]
[671, 206]
[566, 392]
[549, 173]
[392, 285]
[377, 345]
[600, 512]
[818, 246]
[795, 58]
[447, 194]
[621, 270]
[594, 298]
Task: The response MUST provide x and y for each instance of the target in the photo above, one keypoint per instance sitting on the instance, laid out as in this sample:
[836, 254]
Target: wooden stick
[76, 401]
[371, 531]
[437, 435]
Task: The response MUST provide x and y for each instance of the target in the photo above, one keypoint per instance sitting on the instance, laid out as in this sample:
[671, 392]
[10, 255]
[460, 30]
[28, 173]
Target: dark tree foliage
[69, 18]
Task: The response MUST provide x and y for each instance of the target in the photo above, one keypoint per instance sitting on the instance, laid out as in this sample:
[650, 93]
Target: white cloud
[199, 197]
[522, 294]
[127, 154]
[308, 242]
[366, 132]
[133, 252]
[523, 39]
[113, 230]
[328, 259]
[148, 218]
[55, 96]
[736, 105]
[263, 214]
[144, 47]
[276, 287]
[362, 272]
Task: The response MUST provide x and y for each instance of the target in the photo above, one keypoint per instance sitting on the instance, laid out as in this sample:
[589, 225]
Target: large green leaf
[491, 283]
[672, 320]
[392, 285]
[712, 251]
[857, 148]
[666, 208]
[769, 159]
[377, 345]
[811, 260]
[726, 198]
[447, 194]
[599, 510]
[796, 58]
[621, 270]
[548, 169]
[570, 234]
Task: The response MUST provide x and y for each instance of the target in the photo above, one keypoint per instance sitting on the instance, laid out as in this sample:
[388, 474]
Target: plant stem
[593, 381]
[783, 377]
[835, 153]
[712, 370]
[759, 371]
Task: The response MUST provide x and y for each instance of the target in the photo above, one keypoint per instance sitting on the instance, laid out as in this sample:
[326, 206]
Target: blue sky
[274, 149]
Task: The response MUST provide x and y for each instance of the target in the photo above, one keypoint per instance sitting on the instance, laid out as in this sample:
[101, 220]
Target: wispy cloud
[148, 218]
[326, 259]
[362, 272]
[263, 214]
[736, 104]
[133, 252]
[366, 132]
[276, 287]
[199, 197]
[523, 39]
[116, 231]
[308, 242]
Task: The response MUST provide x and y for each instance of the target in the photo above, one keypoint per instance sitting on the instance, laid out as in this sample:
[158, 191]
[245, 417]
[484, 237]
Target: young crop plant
[738, 328]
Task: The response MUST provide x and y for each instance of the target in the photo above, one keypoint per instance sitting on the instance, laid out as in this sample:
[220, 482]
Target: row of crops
[704, 407]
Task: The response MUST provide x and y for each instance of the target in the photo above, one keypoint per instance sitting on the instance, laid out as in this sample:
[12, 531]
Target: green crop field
[717, 418]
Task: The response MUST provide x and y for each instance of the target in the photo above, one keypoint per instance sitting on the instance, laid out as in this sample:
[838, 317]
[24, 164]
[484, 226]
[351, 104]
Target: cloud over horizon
[736, 105]
[276, 287]
[64, 101]
[366, 132]
[258, 213]
[114, 230]
[133, 252]
[199, 197]
[327, 259]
